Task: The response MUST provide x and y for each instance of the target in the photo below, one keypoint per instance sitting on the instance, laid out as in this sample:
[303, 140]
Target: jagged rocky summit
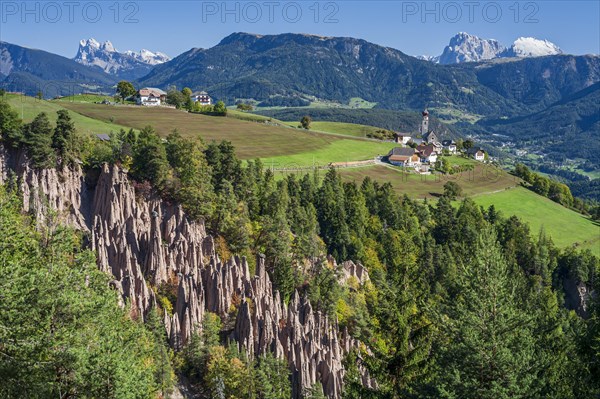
[464, 47]
[105, 56]
[144, 243]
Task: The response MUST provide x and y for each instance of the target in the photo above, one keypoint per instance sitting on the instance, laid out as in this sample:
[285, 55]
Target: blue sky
[414, 27]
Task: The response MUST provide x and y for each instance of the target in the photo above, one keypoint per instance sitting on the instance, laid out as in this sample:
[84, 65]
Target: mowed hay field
[251, 139]
[342, 128]
[30, 107]
[565, 226]
[482, 179]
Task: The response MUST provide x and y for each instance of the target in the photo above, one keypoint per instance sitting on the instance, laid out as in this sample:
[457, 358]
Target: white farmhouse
[151, 96]
[201, 97]
[450, 146]
[477, 153]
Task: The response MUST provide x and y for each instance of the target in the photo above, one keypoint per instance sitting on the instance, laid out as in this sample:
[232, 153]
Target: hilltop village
[426, 153]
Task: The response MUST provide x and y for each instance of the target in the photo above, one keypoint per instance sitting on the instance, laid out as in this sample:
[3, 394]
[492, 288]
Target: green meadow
[341, 128]
[29, 107]
[274, 144]
[483, 179]
[566, 227]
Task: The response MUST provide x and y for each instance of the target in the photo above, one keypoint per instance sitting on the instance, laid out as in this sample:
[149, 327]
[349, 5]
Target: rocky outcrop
[145, 243]
[577, 296]
[350, 270]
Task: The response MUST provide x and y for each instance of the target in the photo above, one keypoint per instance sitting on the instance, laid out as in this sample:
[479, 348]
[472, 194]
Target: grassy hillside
[331, 151]
[487, 186]
[565, 226]
[481, 180]
[86, 98]
[29, 107]
[275, 144]
[346, 129]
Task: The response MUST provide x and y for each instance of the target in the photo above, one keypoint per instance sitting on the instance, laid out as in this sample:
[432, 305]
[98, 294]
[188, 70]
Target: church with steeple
[425, 123]
[428, 135]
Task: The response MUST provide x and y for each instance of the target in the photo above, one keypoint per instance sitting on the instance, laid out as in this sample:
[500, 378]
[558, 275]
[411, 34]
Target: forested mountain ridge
[333, 68]
[572, 128]
[32, 71]
[171, 225]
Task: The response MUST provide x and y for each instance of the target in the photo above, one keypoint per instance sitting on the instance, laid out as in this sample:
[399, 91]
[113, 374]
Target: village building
[450, 146]
[438, 147]
[476, 153]
[201, 97]
[430, 138]
[428, 153]
[150, 97]
[405, 157]
[402, 138]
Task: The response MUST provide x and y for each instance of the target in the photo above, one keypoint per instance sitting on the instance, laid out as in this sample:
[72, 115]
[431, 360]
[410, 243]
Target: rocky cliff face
[578, 296]
[144, 243]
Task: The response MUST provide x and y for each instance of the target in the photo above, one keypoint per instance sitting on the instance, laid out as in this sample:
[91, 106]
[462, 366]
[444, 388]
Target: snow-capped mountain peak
[532, 47]
[431, 58]
[464, 47]
[90, 43]
[129, 64]
[149, 57]
[108, 46]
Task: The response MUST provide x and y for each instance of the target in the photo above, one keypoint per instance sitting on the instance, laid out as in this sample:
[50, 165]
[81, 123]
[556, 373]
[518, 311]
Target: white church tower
[425, 123]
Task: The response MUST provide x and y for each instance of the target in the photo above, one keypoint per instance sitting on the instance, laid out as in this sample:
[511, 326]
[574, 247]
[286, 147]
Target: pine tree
[150, 159]
[332, 216]
[11, 129]
[469, 222]
[514, 236]
[63, 140]
[224, 163]
[543, 261]
[490, 351]
[445, 221]
[38, 140]
[357, 216]
[402, 331]
[273, 378]
[194, 190]
[590, 349]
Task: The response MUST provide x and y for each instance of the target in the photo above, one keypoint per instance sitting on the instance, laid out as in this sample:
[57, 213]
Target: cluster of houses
[152, 97]
[422, 153]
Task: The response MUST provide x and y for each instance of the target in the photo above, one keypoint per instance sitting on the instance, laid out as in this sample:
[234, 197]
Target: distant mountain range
[32, 71]
[129, 65]
[464, 47]
[248, 66]
[309, 67]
